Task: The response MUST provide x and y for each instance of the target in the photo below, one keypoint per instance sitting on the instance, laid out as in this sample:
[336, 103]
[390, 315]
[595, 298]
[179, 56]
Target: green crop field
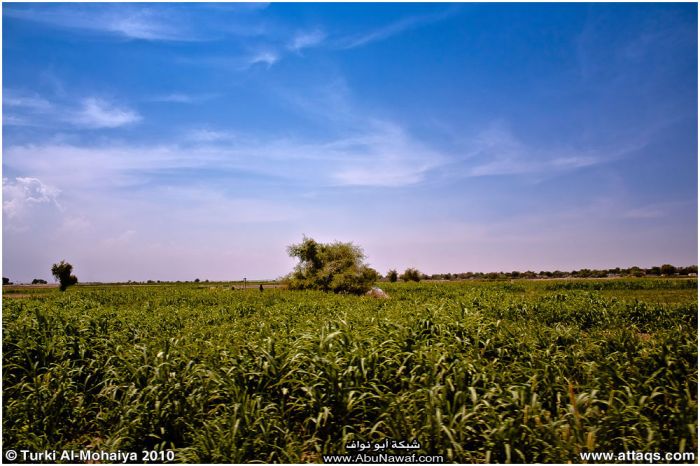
[522, 371]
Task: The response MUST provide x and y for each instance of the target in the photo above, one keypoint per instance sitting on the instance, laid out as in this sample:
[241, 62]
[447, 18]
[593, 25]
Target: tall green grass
[477, 372]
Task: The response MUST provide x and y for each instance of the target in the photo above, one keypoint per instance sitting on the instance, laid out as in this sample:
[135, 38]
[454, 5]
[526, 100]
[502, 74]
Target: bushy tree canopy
[668, 269]
[62, 273]
[392, 275]
[336, 267]
[411, 274]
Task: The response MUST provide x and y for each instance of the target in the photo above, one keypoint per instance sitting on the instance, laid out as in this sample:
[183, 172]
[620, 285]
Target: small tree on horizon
[392, 275]
[62, 273]
[335, 267]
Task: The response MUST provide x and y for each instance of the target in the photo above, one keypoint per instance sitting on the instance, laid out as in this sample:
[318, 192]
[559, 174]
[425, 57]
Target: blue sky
[174, 141]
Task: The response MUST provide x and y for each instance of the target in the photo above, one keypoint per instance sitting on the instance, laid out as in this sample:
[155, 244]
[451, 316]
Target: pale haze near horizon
[173, 142]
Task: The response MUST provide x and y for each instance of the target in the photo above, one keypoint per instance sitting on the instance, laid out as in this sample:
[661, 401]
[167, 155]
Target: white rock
[377, 293]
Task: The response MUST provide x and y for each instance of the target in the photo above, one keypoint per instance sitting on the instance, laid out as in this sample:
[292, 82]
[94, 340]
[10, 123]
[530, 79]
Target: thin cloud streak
[182, 98]
[29, 101]
[91, 113]
[498, 152]
[392, 29]
[239, 63]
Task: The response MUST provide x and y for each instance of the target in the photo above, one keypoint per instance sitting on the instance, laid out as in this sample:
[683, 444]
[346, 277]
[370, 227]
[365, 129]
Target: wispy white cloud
[209, 135]
[143, 25]
[97, 113]
[239, 62]
[122, 239]
[241, 6]
[129, 21]
[306, 39]
[382, 33]
[386, 155]
[24, 108]
[367, 151]
[14, 120]
[657, 210]
[266, 57]
[31, 109]
[615, 62]
[330, 103]
[236, 62]
[382, 155]
[645, 212]
[496, 151]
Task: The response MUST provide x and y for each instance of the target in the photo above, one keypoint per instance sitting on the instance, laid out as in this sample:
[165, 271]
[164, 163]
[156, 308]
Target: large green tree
[336, 267]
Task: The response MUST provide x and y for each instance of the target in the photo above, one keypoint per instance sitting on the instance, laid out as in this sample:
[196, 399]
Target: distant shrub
[392, 275]
[39, 281]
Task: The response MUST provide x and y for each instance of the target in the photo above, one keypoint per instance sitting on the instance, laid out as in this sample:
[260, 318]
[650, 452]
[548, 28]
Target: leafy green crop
[476, 371]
